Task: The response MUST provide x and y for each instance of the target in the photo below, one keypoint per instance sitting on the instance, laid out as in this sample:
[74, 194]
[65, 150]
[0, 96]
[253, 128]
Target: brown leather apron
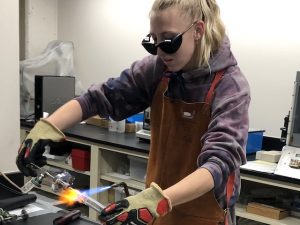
[176, 129]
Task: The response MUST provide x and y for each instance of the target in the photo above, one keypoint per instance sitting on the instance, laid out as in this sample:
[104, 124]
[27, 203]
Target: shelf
[241, 212]
[124, 151]
[130, 182]
[281, 184]
[65, 166]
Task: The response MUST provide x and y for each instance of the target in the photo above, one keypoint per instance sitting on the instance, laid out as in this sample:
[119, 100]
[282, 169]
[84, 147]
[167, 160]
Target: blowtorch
[64, 181]
[59, 182]
[97, 206]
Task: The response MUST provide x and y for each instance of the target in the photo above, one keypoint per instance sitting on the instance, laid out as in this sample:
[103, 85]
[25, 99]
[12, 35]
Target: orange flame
[70, 196]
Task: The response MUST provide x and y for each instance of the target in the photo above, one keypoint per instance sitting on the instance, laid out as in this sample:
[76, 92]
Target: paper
[29, 209]
[260, 166]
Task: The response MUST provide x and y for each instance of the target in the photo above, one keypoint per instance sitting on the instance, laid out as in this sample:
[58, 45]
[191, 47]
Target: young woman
[199, 102]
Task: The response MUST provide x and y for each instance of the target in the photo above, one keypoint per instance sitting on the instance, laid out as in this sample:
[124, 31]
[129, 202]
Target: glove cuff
[164, 206]
[48, 125]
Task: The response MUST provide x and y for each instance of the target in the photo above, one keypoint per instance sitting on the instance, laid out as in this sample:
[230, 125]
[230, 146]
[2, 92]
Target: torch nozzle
[97, 206]
[90, 202]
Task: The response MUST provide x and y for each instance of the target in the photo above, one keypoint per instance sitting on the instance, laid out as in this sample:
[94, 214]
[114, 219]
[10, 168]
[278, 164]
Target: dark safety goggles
[169, 46]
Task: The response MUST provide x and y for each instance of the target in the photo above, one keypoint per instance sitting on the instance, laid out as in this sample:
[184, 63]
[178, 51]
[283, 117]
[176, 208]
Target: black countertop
[100, 135]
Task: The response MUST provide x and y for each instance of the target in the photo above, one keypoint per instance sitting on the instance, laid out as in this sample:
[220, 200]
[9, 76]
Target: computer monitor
[146, 121]
[51, 92]
[293, 137]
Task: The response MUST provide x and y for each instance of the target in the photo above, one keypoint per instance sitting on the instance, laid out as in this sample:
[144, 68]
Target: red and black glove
[32, 149]
[139, 209]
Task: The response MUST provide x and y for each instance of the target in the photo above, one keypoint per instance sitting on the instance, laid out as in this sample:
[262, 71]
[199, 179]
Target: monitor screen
[51, 92]
[146, 122]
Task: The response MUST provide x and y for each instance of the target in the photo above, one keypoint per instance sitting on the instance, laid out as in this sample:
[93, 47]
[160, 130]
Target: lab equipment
[59, 182]
[6, 217]
[293, 133]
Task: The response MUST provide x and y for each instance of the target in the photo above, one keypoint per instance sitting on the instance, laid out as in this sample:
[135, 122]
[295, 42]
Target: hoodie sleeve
[128, 94]
[224, 143]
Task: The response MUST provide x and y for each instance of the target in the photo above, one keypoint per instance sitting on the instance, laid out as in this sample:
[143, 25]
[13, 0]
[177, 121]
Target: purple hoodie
[224, 142]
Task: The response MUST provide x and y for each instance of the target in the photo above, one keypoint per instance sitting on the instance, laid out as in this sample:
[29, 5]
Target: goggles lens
[169, 46]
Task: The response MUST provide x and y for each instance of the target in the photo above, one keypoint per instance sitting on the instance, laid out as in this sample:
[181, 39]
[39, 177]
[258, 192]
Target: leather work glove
[33, 147]
[139, 209]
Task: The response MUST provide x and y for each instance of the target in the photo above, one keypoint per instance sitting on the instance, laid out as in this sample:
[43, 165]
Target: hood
[222, 59]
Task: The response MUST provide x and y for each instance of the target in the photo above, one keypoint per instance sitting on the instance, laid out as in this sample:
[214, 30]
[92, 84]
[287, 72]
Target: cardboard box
[102, 122]
[267, 211]
[268, 156]
[130, 127]
[97, 121]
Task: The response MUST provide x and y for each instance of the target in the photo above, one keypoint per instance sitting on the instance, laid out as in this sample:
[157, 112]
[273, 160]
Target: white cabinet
[112, 158]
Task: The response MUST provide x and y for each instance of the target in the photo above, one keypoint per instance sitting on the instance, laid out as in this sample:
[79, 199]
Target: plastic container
[135, 118]
[137, 168]
[112, 125]
[121, 126]
[254, 143]
[81, 159]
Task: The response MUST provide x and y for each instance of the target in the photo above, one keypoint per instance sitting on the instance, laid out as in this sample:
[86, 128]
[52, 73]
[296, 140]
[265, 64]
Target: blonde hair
[206, 10]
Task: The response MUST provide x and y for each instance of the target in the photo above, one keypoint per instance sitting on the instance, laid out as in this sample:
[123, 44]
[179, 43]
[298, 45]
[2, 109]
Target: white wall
[9, 94]
[265, 38]
[40, 25]
[106, 35]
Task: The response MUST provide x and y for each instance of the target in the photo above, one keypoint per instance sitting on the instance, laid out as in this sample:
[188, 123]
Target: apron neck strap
[213, 85]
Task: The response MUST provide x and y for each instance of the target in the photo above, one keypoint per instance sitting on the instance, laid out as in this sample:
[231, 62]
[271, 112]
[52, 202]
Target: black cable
[10, 189]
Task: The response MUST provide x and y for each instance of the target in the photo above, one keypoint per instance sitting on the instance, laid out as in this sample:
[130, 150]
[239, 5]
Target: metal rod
[90, 202]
